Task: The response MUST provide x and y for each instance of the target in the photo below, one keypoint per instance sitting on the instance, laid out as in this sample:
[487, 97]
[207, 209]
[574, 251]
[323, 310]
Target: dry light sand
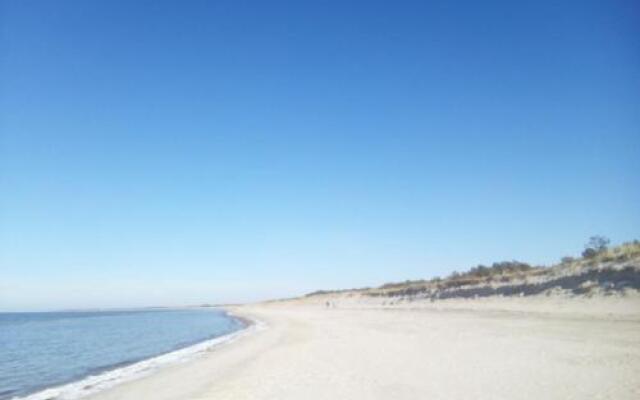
[310, 352]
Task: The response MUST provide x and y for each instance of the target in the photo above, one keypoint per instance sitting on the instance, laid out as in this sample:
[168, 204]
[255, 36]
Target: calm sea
[65, 355]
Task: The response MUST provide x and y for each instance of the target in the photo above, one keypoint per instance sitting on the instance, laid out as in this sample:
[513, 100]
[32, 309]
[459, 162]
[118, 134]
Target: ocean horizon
[70, 354]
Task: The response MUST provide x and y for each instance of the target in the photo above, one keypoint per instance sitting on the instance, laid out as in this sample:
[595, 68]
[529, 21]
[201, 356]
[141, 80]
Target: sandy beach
[319, 200]
[309, 351]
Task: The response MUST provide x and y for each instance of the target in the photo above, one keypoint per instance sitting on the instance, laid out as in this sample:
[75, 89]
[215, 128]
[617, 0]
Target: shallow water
[41, 350]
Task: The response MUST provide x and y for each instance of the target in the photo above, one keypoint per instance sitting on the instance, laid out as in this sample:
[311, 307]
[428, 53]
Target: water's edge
[120, 374]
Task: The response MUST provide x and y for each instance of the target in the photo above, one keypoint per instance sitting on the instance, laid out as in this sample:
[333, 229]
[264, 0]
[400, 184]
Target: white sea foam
[96, 383]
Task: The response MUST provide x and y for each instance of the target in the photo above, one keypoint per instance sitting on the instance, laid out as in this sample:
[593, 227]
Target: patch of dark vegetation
[321, 292]
[608, 280]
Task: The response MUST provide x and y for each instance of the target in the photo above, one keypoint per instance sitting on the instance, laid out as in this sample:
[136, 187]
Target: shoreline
[113, 376]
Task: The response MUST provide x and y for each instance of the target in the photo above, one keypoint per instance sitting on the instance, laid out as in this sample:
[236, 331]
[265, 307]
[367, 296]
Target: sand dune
[309, 351]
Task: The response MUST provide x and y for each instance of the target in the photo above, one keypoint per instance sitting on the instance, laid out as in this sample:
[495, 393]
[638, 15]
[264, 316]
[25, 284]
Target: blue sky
[166, 152]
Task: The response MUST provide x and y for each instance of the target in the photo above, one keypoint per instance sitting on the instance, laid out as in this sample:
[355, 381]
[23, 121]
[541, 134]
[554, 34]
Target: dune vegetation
[600, 269]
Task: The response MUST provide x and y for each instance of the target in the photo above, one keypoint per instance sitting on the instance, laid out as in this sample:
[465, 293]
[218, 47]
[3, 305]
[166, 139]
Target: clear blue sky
[170, 152]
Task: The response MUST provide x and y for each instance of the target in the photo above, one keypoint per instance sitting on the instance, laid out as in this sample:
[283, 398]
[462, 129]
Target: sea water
[65, 355]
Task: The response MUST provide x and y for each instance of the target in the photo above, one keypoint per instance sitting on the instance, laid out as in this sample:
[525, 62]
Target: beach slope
[315, 352]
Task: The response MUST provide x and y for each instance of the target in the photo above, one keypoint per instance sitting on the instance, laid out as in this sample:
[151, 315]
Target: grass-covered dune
[600, 271]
